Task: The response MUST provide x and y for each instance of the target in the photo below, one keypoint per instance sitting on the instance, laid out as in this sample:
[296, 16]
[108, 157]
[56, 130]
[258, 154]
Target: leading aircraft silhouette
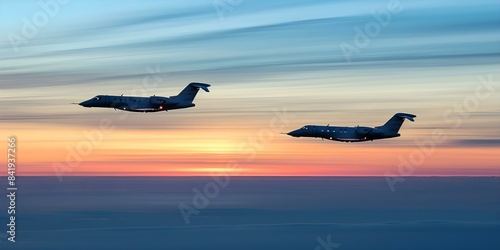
[355, 134]
[148, 104]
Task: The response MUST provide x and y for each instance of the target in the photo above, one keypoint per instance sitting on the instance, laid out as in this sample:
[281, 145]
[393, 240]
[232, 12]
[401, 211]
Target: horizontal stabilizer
[200, 85]
[407, 116]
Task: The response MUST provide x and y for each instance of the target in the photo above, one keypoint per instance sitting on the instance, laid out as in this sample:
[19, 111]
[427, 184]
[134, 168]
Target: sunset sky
[274, 66]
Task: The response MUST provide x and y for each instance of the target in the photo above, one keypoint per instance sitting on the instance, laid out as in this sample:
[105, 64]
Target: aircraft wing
[348, 140]
[123, 107]
[128, 108]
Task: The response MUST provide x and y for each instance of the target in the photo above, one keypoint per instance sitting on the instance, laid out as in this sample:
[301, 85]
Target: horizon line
[284, 176]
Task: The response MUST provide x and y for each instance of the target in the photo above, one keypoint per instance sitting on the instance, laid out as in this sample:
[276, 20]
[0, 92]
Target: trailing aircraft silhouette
[355, 134]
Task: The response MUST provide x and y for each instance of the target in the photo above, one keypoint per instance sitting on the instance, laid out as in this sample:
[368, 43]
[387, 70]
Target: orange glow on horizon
[184, 153]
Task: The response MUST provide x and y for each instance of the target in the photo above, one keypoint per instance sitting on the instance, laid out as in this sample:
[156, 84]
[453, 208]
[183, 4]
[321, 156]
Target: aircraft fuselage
[346, 134]
[136, 104]
[148, 104]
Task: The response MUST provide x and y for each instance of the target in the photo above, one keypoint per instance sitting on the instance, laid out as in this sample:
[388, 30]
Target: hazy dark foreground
[255, 213]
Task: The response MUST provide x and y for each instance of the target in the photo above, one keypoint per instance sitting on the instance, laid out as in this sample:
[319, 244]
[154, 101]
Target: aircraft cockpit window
[97, 98]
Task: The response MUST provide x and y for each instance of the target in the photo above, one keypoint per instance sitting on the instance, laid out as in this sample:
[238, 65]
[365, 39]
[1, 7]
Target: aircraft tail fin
[394, 124]
[189, 92]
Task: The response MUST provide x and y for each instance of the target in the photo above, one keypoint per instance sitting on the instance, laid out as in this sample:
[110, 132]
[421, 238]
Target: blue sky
[108, 45]
[256, 38]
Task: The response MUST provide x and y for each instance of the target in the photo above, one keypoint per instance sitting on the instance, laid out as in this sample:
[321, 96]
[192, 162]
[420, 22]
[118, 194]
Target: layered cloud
[425, 57]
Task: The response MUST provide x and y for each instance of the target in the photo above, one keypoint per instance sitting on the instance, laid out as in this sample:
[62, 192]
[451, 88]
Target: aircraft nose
[85, 104]
[294, 133]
